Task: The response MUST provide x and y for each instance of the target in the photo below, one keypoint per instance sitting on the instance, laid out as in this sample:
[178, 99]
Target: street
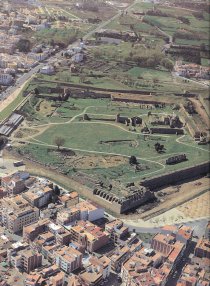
[10, 90]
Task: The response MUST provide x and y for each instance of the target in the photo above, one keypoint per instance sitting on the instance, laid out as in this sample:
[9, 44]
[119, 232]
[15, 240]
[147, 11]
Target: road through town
[13, 91]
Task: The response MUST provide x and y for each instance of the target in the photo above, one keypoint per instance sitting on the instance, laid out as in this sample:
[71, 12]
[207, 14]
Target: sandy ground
[197, 208]
[187, 191]
[7, 167]
[84, 162]
[194, 209]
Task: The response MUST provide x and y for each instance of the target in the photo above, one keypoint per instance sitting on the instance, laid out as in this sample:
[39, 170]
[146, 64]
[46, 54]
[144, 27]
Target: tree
[56, 190]
[3, 141]
[36, 91]
[168, 64]
[184, 20]
[133, 160]
[59, 141]
[158, 147]
[24, 45]
[149, 113]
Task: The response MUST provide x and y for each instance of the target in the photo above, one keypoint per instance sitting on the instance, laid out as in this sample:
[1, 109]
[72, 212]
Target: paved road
[20, 81]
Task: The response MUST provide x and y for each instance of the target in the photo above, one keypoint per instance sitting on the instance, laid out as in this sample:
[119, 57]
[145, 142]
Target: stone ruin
[136, 196]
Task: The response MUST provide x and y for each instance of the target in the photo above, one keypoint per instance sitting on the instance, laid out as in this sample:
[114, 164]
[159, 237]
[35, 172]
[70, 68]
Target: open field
[100, 137]
[169, 21]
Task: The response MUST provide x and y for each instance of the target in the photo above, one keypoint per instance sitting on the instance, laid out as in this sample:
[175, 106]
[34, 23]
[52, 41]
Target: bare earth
[186, 192]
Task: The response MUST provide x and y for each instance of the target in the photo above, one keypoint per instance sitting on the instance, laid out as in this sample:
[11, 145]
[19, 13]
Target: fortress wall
[166, 130]
[142, 101]
[174, 177]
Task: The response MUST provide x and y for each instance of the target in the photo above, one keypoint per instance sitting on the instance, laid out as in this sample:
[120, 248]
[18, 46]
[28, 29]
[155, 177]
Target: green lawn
[87, 136]
[150, 74]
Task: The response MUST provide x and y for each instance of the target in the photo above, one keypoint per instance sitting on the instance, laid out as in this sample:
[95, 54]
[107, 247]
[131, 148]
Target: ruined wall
[162, 130]
[136, 200]
[119, 205]
[143, 101]
[175, 177]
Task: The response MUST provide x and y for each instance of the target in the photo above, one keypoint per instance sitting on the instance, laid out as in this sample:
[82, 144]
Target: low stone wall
[161, 130]
[142, 101]
[175, 177]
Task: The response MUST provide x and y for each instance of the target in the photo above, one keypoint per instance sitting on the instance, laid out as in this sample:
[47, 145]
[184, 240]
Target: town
[53, 237]
[104, 143]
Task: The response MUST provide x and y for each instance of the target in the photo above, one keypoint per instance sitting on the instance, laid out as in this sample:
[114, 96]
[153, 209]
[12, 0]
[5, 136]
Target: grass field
[89, 137]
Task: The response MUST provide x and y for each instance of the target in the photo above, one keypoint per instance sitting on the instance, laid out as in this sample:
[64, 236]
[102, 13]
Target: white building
[6, 79]
[49, 70]
[90, 211]
[78, 57]
[38, 57]
[68, 259]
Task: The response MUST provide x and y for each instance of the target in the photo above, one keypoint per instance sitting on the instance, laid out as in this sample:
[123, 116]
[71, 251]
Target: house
[49, 70]
[78, 57]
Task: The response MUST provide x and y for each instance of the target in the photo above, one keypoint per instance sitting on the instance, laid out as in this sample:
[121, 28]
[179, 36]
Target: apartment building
[116, 229]
[90, 211]
[99, 265]
[68, 259]
[123, 252]
[169, 247]
[182, 233]
[63, 238]
[68, 216]
[196, 272]
[51, 276]
[32, 231]
[89, 235]
[119, 256]
[6, 79]
[16, 213]
[23, 258]
[145, 268]
[38, 197]
[15, 183]
[69, 199]
[202, 248]
[30, 260]
[163, 243]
